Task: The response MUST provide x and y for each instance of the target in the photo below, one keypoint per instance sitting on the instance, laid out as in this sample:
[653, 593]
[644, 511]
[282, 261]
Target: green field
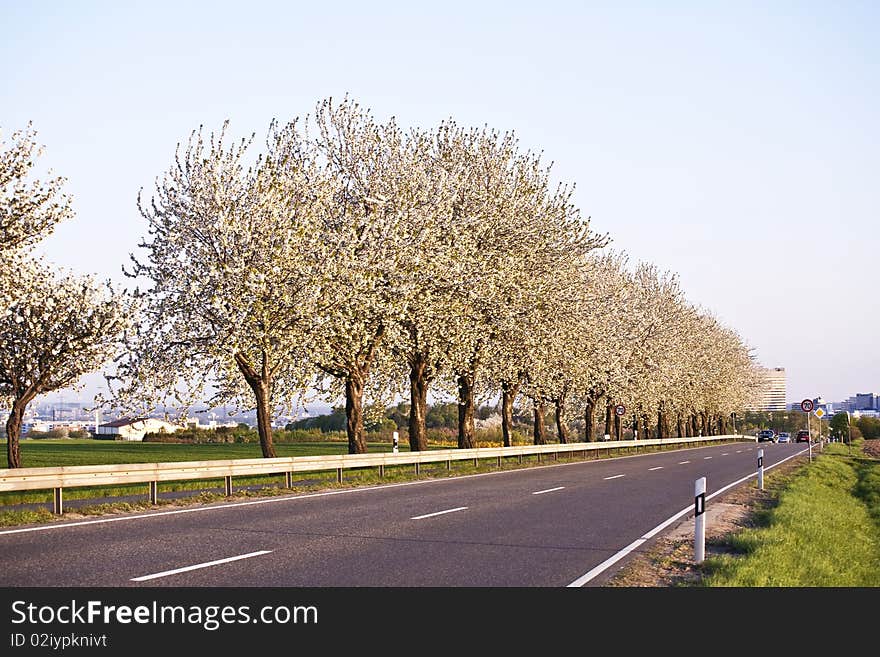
[825, 530]
[49, 453]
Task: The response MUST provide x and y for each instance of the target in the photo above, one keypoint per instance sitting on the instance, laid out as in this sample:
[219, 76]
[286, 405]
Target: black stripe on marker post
[700, 504]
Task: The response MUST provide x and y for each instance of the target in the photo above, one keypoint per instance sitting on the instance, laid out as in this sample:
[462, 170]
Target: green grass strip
[825, 531]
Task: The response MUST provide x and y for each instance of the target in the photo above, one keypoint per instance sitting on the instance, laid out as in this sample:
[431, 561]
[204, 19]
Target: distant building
[135, 428]
[771, 395]
[864, 401]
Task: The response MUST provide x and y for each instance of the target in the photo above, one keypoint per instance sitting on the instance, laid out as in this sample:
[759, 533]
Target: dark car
[767, 434]
[803, 436]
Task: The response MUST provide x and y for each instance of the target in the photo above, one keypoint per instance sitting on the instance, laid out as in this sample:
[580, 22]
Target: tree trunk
[635, 427]
[264, 420]
[561, 427]
[539, 432]
[617, 427]
[466, 412]
[354, 414]
[508, 395]
[679, 425]
[589, 430]
[13, 433]
[261, 385]
[704, 424]
[418, 407]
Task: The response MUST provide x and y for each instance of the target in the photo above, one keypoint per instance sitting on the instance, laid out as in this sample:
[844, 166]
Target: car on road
[784, 437]
[767, 435]
[803, 436]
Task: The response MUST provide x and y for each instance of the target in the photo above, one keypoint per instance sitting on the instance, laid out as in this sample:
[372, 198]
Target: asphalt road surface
[557, 525]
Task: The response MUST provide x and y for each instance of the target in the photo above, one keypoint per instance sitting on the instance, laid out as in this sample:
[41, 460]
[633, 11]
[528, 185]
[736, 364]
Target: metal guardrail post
[57, 501]
[288, 479]
[338, 475]
[154, 492]
[381, 470]
[418, 468]
[227, 480]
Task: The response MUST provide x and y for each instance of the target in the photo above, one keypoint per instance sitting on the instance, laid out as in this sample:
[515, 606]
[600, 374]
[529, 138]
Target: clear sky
[737, 144]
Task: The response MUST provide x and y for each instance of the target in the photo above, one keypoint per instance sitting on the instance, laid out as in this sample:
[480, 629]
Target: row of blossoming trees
[361, 260]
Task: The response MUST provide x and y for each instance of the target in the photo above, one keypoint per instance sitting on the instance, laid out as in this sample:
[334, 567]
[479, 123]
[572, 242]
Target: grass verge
[824, 531]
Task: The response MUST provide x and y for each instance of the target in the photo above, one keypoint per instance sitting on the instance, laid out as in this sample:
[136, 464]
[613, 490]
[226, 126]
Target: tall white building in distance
[771, 396]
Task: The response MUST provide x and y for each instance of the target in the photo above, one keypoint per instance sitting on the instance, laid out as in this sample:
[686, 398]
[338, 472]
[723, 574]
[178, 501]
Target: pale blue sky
[734, 143]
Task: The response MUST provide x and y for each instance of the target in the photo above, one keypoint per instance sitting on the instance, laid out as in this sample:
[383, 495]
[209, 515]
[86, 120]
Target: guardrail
[59, 478]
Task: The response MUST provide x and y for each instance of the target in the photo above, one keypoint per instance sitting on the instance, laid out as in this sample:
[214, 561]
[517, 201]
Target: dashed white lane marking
[549, 490]
[706, 458]
[725, 453]
[207, 564]
[439, 513]
[739, 451]
[615, 477]
[659, 467]
[683, 462]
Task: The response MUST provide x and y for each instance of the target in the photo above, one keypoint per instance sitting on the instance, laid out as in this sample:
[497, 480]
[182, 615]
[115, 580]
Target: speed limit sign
[620, 409]
[807, 405]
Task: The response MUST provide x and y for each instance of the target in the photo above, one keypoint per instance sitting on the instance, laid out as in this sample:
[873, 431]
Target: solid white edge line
[614, 477]
[586, 577]
[549, 490]
[659, 467]
[439, 513]
[288, 498]
[185, 569]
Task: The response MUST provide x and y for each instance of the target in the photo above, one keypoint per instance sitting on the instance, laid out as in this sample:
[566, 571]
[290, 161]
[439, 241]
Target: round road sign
[807, 405]
[620, 409]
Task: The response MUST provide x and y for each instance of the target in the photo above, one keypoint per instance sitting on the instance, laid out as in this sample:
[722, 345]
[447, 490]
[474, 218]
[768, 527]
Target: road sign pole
[700, 520]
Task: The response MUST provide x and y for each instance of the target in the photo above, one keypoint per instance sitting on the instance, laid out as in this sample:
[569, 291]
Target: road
[548, 526]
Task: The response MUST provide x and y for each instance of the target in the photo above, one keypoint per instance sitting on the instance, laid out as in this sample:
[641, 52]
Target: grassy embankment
[824, 531]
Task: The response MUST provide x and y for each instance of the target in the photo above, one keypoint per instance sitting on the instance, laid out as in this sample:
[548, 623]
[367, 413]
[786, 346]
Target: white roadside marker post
[700, 520]
[761, 469]
[396, 442]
